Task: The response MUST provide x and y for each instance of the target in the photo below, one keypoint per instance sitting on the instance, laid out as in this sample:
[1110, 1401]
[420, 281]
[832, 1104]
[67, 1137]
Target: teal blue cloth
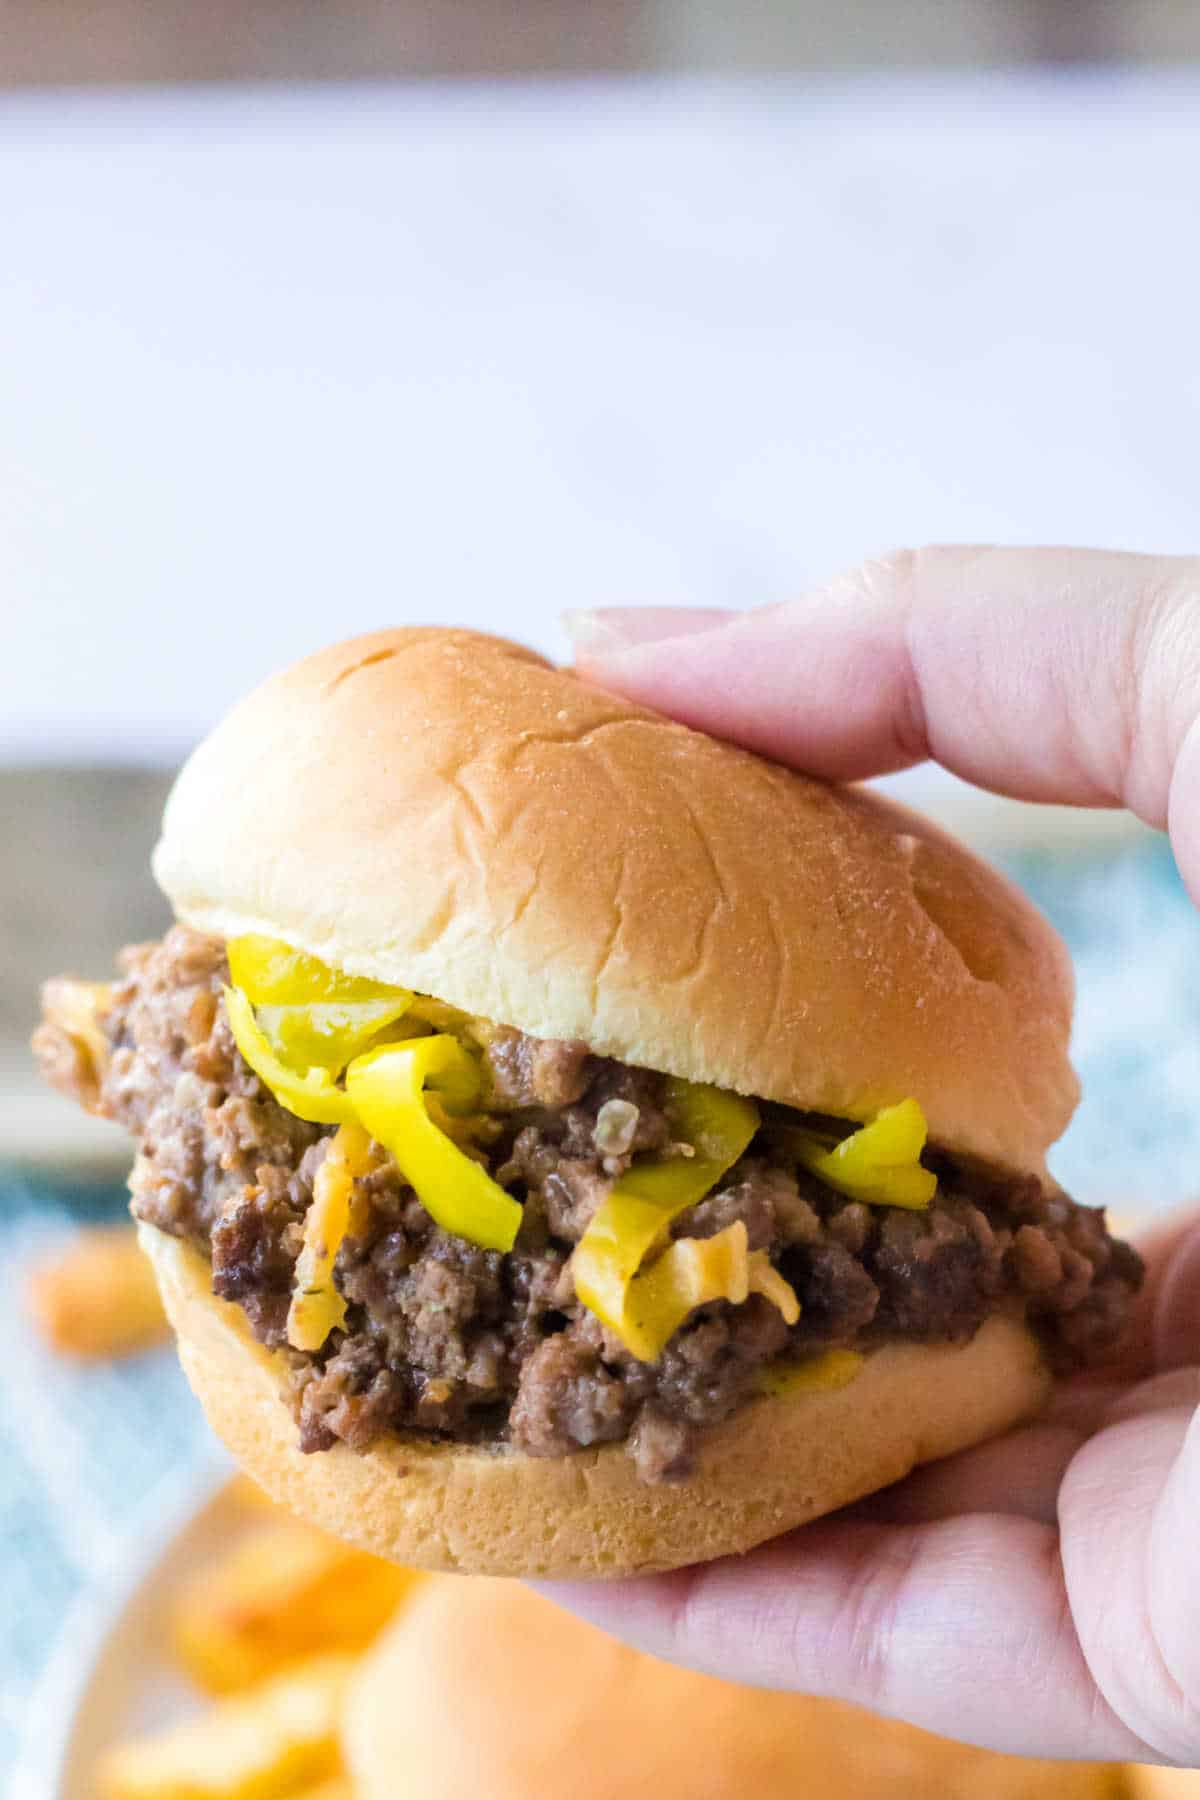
[83, 1451]
[1135, 938]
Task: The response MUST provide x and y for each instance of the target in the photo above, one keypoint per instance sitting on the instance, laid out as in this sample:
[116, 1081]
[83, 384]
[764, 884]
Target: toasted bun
[486, 1688]
[448, 812]
[775, 1464]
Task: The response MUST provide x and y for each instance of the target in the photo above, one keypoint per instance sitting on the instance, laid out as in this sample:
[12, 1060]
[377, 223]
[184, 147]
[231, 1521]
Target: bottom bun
[778, 1462]
[485, 1688]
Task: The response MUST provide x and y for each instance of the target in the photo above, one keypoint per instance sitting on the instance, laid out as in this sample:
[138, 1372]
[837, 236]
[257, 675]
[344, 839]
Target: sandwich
[571, 1145]
[535, 1701]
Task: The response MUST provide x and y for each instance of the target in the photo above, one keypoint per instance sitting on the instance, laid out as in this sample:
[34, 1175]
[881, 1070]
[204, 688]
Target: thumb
[1064, 675]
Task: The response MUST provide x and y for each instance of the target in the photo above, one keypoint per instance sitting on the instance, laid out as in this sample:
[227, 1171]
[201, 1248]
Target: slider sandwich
[570, 1145]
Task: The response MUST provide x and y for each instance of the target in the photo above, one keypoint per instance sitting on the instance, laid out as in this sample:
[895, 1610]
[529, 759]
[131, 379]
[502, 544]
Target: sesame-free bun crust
[448, 812]
[487, 1688]
[778, 1462]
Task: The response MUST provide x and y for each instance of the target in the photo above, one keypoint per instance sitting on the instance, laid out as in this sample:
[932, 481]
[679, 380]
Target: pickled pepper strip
[272, 973]
[387, 1090]
[640, 1206]
[312, 1095]
[879, 1163]
[329, 1034]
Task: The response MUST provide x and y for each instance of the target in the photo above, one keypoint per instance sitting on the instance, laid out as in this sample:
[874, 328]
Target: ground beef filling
[445, 1338]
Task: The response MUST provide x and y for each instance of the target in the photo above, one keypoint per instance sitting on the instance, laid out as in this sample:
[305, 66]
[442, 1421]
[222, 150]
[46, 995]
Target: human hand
[1039, 1594]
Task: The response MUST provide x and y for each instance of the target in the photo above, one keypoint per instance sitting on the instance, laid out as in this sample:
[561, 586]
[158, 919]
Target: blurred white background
[284, 364]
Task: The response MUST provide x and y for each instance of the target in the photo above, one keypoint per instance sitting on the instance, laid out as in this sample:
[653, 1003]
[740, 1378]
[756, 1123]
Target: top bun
[449, 812]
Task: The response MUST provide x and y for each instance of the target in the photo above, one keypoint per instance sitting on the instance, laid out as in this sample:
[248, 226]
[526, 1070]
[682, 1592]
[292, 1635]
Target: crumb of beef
[447, 1339]
[582, 1388]
[525, 1071]
[570, 1191]
[841, 1297]
[848, 1225]
[351, 1398]
[453, 1290]
[708, 1366]
[554, 1159]
[662, 1447]
[1035, 1261]
[753, 1201]
[567, 1398]
[205, 1124]
[255, 1242]
[933, 1269]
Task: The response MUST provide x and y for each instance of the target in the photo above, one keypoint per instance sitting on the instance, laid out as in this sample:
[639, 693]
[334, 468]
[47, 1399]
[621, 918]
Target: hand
[1039, 1594]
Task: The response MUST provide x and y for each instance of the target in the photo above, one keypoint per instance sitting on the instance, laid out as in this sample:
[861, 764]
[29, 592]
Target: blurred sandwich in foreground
[486, 1688]
[329, 1675]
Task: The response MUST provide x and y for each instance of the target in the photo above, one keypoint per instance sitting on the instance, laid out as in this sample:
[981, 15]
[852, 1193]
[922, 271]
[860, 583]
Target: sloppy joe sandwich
[568, 1144]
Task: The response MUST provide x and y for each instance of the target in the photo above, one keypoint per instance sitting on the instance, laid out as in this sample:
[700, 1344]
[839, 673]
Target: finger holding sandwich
[1063, 1624]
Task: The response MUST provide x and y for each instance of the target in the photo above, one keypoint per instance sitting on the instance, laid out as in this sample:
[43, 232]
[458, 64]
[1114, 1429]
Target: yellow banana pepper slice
[879, 1163]
[386, 1088]
[439, 1015]
[312, 1095]
[329, 1034]
[317, 1308]
[640, 1206]
[271, 973]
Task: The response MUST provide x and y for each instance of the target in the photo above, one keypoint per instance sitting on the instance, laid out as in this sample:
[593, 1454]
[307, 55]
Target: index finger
[1056, 675]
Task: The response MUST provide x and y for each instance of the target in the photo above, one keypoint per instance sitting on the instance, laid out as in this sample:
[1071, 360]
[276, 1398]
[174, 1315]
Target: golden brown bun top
[484, 1687]
[446, 811]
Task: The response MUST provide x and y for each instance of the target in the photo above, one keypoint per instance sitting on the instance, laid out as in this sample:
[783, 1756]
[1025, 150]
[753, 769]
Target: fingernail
[609, 629]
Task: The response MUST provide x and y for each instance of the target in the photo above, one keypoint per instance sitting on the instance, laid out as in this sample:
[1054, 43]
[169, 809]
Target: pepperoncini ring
[879, 1163]
[386, 1088]
[313, 1022]
[312, 1095]
[329, 1034]
[272, 973]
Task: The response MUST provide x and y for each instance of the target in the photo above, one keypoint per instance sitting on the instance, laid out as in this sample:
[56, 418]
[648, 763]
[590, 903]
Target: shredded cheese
[317, 1308]
[766, 1280]
[691, 1272]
